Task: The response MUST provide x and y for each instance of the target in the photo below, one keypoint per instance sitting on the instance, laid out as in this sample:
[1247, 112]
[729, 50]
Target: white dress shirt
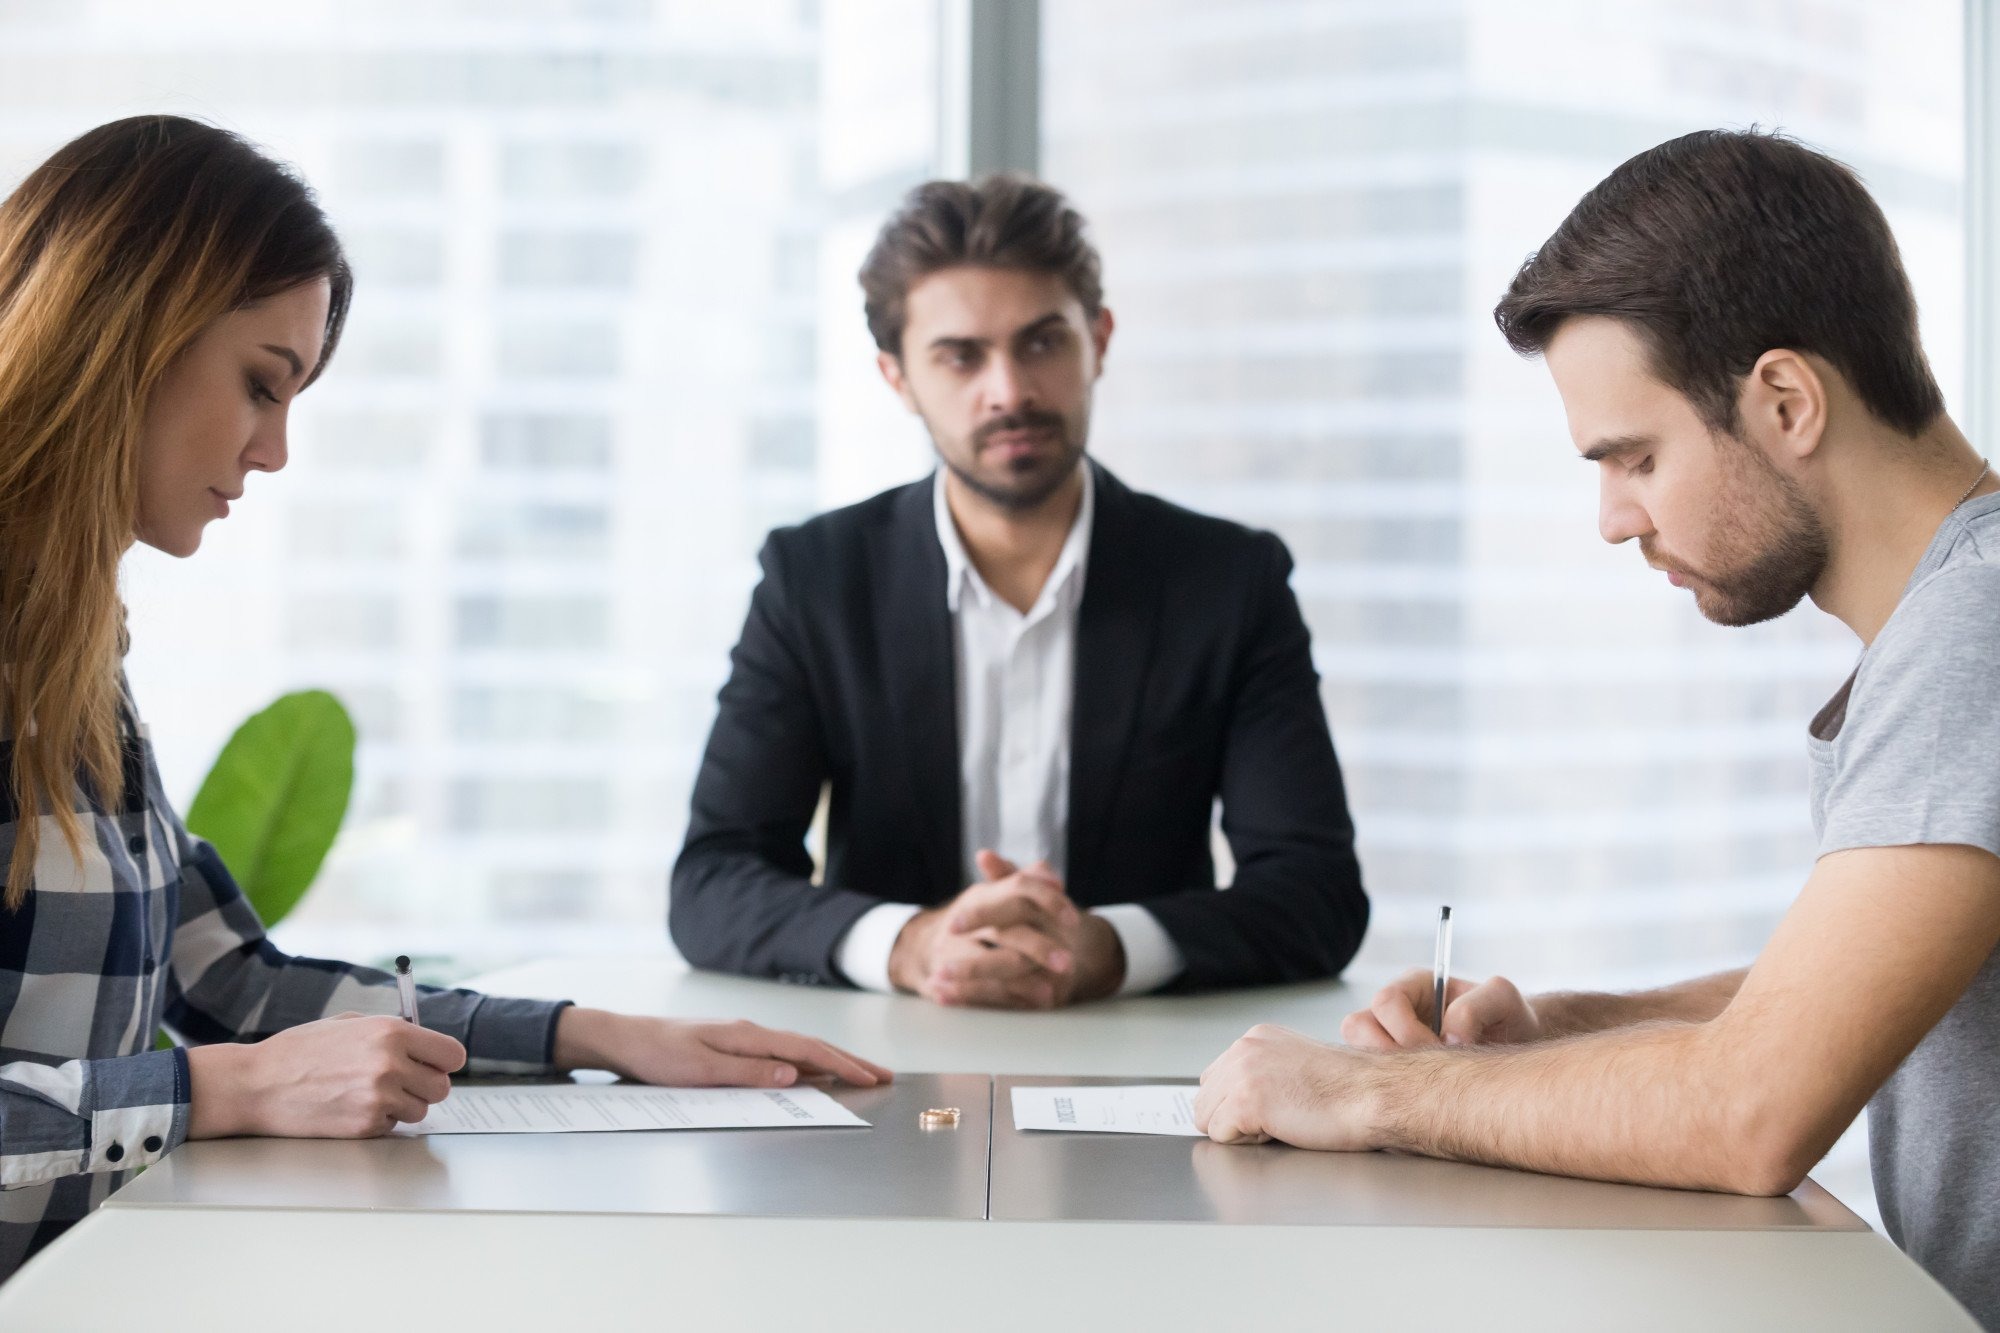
[1016, 688]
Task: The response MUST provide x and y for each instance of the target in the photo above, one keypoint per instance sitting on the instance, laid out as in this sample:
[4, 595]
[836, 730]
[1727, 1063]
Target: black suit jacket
[1194, 680]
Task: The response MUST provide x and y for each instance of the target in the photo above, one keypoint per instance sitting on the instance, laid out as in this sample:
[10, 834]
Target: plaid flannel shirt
[150, 928]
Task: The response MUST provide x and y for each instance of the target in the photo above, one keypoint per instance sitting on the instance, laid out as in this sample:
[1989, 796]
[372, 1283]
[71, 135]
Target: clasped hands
[1274, 1083]
[1015, 941]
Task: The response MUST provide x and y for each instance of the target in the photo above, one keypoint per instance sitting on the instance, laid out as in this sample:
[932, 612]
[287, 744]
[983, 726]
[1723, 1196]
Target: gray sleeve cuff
[500, 1035]
[508, 1036]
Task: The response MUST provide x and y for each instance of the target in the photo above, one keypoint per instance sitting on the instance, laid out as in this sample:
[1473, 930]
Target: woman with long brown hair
[166, 292]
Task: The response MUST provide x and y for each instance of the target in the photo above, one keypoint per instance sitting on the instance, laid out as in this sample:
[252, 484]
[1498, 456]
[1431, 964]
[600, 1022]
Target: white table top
[137, 1266]
[893, 1167]
[131, 1269]
[1157, 1035]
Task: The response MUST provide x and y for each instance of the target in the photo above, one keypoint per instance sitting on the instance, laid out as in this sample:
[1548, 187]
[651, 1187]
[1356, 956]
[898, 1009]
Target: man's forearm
[1653, 1104]
[1574, 1013]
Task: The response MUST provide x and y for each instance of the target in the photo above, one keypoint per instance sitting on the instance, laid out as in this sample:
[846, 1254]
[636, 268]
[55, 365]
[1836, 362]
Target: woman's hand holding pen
[1475, 1013]
[339, 1078]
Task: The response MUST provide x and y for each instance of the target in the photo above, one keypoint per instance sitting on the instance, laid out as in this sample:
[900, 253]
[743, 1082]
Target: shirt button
[147, 967]
[115, 1153]
[137, 843]
[154, 1143]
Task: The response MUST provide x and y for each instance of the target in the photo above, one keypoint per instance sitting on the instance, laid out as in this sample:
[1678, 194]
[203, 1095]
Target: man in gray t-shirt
[1727, 320]
[1908, 753]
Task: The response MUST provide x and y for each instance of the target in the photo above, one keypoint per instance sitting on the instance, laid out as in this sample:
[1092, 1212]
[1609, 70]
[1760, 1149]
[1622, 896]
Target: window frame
[989, 87]
[1982, 216]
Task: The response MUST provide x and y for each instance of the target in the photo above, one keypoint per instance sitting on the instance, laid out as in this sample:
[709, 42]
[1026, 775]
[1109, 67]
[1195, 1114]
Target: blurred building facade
[1307, 212]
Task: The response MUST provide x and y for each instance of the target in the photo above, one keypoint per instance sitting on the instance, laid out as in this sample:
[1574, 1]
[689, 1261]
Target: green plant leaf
[273, 803]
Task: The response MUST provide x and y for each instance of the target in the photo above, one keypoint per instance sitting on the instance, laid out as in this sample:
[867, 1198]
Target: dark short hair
[1001, 221]
[1721, 245]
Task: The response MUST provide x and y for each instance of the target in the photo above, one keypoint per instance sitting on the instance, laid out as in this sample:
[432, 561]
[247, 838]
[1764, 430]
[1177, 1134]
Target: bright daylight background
[607, 335]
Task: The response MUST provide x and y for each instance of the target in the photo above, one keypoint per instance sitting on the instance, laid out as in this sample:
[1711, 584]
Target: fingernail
[1453, 1041]
[783, 1075]
[1059, 960]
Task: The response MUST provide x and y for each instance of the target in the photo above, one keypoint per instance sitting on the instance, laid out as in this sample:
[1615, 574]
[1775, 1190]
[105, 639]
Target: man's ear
[891, 367]
[1784, 400]
[1100, 335]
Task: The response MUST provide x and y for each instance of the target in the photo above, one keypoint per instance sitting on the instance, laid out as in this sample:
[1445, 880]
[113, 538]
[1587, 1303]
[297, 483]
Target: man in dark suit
[1018, 676]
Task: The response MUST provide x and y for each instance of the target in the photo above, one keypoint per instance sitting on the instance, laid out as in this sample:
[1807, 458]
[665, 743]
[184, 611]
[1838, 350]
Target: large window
[605, 311]
[1307, 212]
[607, 334]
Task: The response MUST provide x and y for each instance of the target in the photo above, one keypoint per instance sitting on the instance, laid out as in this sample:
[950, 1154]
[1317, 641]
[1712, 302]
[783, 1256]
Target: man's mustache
[1651, 554]
[1013, 421]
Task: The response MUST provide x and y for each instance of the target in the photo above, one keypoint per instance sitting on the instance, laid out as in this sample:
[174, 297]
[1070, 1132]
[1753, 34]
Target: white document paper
[576, 1108]
[1150, 1109]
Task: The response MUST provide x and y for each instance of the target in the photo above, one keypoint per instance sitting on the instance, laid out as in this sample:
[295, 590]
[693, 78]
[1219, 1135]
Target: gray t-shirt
[1909, 752]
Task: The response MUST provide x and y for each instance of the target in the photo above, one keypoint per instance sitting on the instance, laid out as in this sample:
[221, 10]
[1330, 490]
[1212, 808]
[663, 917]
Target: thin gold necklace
[1985, 467]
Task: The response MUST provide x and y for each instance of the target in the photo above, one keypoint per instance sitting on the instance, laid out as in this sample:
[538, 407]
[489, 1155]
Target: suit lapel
[1115, 629]
[913, 644]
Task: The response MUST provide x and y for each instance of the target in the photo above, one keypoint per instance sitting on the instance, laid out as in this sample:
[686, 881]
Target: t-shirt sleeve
[1918, 758]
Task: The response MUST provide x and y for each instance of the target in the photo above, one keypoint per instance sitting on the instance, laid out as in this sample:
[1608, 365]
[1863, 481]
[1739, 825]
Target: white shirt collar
[1065, 580]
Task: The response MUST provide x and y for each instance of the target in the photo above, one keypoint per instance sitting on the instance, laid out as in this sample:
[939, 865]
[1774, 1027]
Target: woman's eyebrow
[298, 366]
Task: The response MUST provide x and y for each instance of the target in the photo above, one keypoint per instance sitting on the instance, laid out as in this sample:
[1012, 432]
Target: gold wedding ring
[939, 1117]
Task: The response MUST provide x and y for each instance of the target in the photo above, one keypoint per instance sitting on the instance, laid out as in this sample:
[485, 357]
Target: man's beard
[1770, 548]
[1025, 488]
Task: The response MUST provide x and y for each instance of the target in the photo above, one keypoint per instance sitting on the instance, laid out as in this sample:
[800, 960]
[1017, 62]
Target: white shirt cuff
[863, 955]
[1152, 959]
